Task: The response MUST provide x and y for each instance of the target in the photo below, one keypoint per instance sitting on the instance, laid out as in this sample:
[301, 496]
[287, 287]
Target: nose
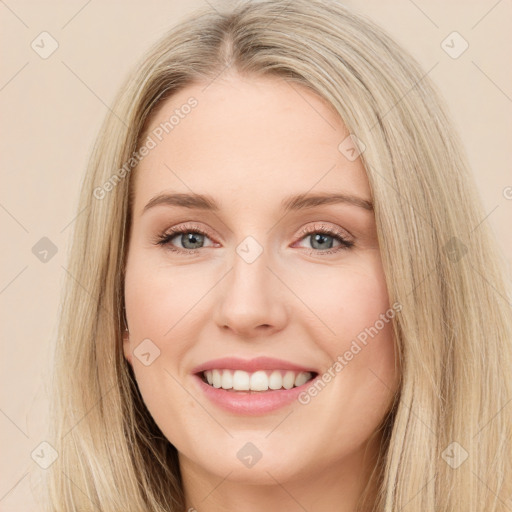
[251, 301]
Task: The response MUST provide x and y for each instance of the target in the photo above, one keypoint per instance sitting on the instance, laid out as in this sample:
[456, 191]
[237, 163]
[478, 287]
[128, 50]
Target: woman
[281, 293]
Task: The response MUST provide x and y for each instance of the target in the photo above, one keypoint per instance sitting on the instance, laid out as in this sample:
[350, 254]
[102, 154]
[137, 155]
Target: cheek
[160, 299]
[354, 327]
[157, 300]
[346, 299]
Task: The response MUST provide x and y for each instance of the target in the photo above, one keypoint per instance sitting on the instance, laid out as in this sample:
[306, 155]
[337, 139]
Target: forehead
[247, 137]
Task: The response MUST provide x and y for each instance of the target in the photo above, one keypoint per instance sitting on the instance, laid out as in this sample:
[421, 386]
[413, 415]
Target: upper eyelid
[320, 226]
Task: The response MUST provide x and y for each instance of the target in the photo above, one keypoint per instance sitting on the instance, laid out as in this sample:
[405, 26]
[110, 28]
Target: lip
[251, 365]
[251, 403]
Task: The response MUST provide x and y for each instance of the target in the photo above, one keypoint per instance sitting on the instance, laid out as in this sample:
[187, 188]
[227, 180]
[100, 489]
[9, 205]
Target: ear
[126, 346]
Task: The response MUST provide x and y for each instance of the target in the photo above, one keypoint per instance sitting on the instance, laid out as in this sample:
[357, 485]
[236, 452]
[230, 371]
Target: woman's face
[258, 290]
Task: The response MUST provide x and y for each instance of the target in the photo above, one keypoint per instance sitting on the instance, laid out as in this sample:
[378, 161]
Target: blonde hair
[441, 264]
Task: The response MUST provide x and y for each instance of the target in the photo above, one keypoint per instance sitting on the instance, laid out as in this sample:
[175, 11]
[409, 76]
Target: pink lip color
[250, 365]
[250, 402]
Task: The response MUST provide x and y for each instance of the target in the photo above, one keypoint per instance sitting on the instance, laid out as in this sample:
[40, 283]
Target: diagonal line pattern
[417, 494]
[428, 274]
[13, 13]
[13, 487]
[13, 217]
[490, 490]
[86, 495]
[14, 76]
[194, 305]
[506, 299]
[13, 279]
[311, 188]
[86, 291]
[89, 411]
[275, 17]
[76, 14]
[228, 65]
[280, 423]
[490, 421]
[491, 80]
[289, 82]
[74, 218]
[485, 218]
[287, 492]
[179, 178]
[404, 95]
[71, 71]
[217, 486]
[486, 14]
[199, 403]
[14, 423]
[424, 14]
[427, 220]
[406, 405]
[301, 301]
[211, 6]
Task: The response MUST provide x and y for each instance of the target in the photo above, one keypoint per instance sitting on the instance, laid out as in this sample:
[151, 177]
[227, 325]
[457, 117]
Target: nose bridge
[250, 297]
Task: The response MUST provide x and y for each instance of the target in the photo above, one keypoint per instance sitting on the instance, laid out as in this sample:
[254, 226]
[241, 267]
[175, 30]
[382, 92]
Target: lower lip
[251, 402]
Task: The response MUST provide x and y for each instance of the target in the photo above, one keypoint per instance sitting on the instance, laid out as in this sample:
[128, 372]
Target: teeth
[275, 380]
[261, 380]
[301, 378]
[241, 380]
[288, 380]
[227, 380]
[217, 378]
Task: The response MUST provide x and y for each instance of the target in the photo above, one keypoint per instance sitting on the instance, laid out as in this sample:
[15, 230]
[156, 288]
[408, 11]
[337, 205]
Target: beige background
[52, 109]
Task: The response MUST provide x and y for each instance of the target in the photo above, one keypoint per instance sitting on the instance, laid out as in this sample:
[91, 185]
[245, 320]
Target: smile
[251, 387]
[261, 380]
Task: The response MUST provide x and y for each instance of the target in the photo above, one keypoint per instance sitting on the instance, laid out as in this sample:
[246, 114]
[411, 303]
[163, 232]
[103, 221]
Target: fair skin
[249, 144]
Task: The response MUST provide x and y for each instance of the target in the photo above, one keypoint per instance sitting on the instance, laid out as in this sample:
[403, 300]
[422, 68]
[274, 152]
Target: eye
[192, 238]
[322, 239]
[189, 236]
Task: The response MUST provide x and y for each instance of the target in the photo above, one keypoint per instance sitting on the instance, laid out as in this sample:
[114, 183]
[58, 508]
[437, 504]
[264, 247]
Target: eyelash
[165, 238]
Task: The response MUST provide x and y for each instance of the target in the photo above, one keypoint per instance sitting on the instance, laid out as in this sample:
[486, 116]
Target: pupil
[194, 238]
[320, 239]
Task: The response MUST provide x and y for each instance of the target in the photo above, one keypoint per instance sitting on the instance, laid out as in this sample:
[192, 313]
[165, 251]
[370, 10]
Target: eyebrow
[292, 203]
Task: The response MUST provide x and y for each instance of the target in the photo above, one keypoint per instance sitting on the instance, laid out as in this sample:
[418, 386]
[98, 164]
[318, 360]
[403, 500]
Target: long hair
[449, 439]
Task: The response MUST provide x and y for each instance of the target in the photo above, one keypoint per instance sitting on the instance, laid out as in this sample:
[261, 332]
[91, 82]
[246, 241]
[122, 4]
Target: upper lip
[251, 365]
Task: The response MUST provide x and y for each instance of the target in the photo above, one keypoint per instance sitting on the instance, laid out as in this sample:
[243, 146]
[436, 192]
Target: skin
[249, 143]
